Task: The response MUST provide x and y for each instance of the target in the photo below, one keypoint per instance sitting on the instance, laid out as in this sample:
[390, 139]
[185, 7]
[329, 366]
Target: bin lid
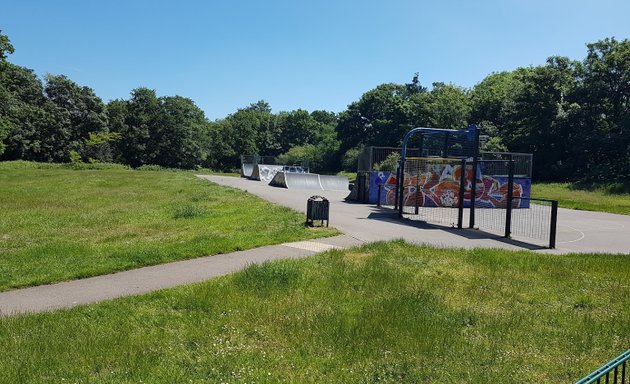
[317, 198]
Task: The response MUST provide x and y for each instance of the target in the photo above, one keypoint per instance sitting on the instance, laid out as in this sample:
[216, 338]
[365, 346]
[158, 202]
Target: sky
[313, 55]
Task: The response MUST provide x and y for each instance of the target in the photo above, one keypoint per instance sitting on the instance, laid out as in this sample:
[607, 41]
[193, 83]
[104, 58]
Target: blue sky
[295, 54]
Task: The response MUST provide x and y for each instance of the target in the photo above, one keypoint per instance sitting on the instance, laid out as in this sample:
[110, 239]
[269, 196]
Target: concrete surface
[578, 231]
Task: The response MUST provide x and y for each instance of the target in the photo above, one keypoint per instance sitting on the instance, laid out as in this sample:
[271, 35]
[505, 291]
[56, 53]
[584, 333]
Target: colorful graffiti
[439, 186]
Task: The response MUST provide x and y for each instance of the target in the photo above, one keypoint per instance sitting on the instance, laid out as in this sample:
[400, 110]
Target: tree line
[573, 115]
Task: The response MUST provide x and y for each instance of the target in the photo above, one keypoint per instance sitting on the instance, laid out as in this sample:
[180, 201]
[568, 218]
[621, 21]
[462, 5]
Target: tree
[141, 114]
[80, 113]
[5, 124]
[27, 119]
[446, 106]
[380, 117]
[6, 48]
[490, 97]
[540, 119]
[605, 108]
[297, 128]
[180, 139]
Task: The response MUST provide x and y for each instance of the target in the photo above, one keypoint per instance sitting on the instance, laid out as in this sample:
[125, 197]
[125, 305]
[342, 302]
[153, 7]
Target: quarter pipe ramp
[247, 169]
[334, 183]
[309, 181]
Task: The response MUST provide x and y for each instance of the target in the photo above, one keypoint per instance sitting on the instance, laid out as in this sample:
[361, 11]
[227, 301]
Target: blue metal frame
[608, 368]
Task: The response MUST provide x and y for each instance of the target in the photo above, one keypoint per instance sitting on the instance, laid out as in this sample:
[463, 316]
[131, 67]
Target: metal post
[554, 222]
[473, 188]
[462, 191]
[510, 197]
[396, 191]
[401, 187]
[371, 151]
[473, 192]
[417, 209]
[366, 188]
[378, 199]
[445, 149]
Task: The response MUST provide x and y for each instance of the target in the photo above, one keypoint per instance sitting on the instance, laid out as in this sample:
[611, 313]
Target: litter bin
[317, 209]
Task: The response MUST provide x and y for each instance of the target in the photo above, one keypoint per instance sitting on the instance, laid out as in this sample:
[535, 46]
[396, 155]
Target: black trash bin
[317, 209]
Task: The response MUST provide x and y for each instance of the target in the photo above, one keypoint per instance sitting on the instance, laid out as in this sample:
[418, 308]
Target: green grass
[596, 199]
[352, 176]
[58, 223]
[387, 312]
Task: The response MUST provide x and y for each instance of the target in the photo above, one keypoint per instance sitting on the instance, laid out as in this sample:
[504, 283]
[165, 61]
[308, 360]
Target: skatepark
[578, 231]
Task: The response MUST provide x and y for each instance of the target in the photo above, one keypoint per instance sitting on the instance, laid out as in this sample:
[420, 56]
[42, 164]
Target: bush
[154, 167]
[350, 159]
[389, 164]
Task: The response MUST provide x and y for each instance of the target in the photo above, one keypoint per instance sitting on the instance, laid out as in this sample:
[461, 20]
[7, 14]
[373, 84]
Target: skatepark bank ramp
[266, 172]
[309, 181]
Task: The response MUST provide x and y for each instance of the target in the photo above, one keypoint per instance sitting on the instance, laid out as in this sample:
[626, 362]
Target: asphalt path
[578, 231]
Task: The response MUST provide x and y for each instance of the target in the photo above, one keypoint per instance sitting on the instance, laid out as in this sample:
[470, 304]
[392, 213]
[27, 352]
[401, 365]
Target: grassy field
[59, 223]
[387, 312]
[597, 199]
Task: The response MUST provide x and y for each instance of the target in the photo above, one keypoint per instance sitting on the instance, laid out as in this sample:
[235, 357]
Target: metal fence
[433, 190]
[257, 159]
[442, 191]
[538, 221]
[491, 196]
[269, 160]
[371, 156]
[613, 372]
[523, 162]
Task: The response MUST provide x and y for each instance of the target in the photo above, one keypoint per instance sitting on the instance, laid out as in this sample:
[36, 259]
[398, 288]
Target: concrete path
[578, 231]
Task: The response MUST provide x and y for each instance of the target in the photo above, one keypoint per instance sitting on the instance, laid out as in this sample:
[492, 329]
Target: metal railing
[613, 372]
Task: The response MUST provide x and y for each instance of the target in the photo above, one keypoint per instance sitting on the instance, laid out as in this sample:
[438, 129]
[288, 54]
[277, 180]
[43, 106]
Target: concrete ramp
[247, 169]
[279, 180]
[334, 183]
[293, 180]
[265, 172]
[313, 181]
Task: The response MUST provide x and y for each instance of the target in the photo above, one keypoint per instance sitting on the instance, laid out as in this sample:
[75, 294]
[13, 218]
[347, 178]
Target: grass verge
[386, 312]
[596, 199]
[59, 224]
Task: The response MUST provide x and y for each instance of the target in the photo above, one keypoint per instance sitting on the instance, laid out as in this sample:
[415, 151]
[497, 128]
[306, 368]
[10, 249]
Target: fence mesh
[534, 222]
[523, 162]
[491, 195]
[257, 159]
[431, 190]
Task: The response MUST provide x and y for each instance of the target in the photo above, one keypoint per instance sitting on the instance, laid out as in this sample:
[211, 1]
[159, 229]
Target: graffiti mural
[439, 186]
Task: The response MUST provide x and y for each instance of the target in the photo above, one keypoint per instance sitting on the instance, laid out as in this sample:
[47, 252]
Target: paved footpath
[143, 280]
[578, 231]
